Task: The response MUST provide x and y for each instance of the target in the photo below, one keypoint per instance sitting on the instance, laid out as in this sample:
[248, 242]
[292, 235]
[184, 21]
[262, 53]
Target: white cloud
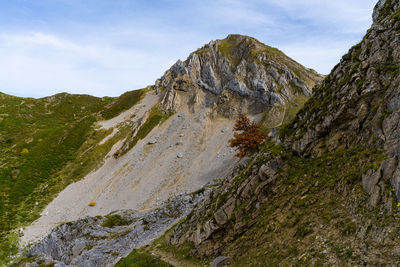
[118, 54]
[42, 64]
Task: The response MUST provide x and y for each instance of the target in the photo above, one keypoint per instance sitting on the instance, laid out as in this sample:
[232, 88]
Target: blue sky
[106, 47]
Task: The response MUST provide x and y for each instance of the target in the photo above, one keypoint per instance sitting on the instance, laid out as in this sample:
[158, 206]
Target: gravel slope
[191, 150]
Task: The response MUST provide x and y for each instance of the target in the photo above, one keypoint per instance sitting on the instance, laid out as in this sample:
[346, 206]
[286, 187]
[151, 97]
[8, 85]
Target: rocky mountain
[236, 67]
[137, 151]
[329, 193]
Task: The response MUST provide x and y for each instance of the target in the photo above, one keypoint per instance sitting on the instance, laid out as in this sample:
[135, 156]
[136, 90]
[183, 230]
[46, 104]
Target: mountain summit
[237, 67]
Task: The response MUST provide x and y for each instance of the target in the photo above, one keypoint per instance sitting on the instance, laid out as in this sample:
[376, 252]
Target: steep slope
[329, 194]
[178, 137]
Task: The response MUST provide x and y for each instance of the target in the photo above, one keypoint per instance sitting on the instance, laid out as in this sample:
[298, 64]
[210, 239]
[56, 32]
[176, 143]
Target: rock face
[360, 101]
[102, 241]
[357, 106]
[238, 67]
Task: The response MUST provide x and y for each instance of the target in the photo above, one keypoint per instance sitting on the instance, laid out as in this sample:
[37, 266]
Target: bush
[248, 136]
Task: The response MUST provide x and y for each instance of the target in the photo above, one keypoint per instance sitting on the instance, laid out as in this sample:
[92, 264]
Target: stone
[268, 170]
[180, 155]
[220, 217]
[370, 179]
[229, 206]
[153, 141]
[220, 261]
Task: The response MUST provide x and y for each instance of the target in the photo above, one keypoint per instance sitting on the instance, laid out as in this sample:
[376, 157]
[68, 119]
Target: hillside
[172, 137]
[39, 138]
[327, 195]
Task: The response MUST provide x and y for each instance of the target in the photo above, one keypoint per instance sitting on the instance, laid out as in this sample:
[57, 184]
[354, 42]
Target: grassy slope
[48, 143]
[310, 209]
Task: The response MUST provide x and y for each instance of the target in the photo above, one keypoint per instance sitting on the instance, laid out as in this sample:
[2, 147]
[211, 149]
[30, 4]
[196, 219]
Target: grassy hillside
[45, 144]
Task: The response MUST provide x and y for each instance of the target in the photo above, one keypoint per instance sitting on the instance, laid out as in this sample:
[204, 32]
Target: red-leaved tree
[248, 136]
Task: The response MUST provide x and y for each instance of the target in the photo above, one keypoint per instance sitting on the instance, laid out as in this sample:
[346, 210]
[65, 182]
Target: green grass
[122, 103]
[229, 48]
[393, 69]
[114, 220]
[306, 195]
[62, 145]
[141, 259]
[156, 117]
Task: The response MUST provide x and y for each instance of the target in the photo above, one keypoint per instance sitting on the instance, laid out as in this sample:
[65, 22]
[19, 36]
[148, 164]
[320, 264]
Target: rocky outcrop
[210, 220]
[102, 241]
[238, 67]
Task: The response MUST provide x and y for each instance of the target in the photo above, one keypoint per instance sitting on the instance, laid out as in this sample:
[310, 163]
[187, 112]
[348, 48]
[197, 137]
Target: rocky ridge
[235, 69]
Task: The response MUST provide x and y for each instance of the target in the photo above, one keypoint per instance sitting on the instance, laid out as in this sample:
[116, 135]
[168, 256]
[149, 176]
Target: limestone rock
[256, 75]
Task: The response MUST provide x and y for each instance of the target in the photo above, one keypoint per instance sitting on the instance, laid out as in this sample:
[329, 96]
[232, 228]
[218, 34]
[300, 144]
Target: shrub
[248, 136]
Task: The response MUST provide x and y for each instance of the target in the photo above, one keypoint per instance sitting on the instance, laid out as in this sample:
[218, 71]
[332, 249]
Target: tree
[248, 136]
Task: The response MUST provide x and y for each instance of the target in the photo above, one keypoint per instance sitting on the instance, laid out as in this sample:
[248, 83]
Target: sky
[107, 47]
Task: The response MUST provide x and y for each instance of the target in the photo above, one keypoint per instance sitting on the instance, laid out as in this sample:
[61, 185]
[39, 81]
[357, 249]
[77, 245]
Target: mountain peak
[237, 67]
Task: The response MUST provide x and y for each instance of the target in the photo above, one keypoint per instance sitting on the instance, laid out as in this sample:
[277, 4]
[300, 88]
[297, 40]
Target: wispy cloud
[107, 47]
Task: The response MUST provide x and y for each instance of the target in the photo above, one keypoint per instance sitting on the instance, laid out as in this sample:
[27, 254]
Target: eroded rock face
[360, 100]
[238, 67]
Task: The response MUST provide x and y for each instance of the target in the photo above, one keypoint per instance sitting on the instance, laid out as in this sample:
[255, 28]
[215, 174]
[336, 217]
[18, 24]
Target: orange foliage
[116, 154]
[248, 136]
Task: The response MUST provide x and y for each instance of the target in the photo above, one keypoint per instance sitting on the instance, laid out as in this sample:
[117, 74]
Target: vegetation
[122, 103]
[313, 199]
[237, 47]
[141, 259]
[115, 220]
[156, 117]
[49, 143]
[248, 137]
